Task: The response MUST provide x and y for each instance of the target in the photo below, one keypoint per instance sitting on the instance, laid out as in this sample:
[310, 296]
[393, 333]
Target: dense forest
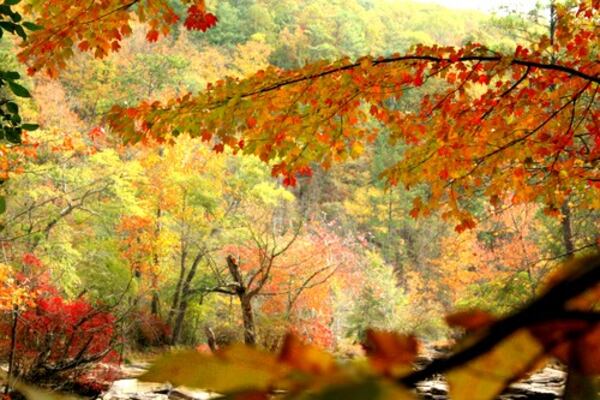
[318, 179]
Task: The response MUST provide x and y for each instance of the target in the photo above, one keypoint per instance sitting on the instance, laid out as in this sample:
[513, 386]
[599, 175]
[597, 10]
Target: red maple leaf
[152, 36]
[199, 20]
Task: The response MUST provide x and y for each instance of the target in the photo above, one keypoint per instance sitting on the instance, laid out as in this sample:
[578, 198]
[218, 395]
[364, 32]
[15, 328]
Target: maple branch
[434, 59]
[548, 307]
[479, 161]
[517, 83]
[124, 7]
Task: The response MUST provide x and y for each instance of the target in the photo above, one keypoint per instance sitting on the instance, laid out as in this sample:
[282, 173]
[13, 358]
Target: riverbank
[546, 384]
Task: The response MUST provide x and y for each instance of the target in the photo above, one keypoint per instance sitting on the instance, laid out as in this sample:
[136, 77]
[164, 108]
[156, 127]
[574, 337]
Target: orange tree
[521, 126]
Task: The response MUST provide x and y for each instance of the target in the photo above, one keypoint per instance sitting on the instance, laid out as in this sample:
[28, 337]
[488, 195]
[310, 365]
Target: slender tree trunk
[177, 294]
[412, 254]
[155, 304]
[567, 232]
[185, 297]
[13, 347]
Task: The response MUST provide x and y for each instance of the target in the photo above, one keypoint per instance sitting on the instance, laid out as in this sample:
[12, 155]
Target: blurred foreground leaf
[235, 369]
[485, 377]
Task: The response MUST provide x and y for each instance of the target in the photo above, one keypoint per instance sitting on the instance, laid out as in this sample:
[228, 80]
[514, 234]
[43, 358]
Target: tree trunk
[177, 294]
[185, 297]
[248, 317]
[13, 347]
[567, 232]
[245, 301]
[155, 304]
[211, 338]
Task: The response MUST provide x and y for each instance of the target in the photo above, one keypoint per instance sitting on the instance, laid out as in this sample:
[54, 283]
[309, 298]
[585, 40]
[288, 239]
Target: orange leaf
[305, 357]
[470, 320]
[387, 350]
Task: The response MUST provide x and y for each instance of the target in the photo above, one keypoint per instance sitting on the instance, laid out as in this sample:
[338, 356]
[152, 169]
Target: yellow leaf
[485, 377]
[235, 369]
[357, 149]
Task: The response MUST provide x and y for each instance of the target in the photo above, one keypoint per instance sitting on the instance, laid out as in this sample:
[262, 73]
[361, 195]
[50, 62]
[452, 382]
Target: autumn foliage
[53, 338]
[479, 132]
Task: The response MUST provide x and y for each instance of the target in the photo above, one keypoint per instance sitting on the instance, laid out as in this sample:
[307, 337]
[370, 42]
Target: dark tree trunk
[567, 232]
[248, 317]
[155, 304]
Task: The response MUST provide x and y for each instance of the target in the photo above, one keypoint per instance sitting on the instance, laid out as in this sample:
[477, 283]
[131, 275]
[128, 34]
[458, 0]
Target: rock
[433, 390]
[136, 390]
[547, 384]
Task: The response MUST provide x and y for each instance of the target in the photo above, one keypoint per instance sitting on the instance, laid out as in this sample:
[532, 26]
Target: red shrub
[59, 340]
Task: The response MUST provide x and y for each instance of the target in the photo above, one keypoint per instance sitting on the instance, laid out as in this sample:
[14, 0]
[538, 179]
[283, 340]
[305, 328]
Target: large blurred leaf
[390, 353]
[369, 389]
[237, 368]
[485, 377]
[582, 387]
[306, 357]
[33, 393]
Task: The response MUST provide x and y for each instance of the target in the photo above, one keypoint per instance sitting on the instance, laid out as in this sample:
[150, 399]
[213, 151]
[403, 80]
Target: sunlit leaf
[485, 377]
[247, 369]
[305, 357]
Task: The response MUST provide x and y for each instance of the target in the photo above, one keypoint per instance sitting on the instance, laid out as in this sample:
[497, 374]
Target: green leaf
[21, 32]
[32, 27]
[30, 127]
[16, 17]
[13, 135]
[18, 90]
[2, 204]
[11, 75]
[11, 2]
[8, 26]
[12, 107]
